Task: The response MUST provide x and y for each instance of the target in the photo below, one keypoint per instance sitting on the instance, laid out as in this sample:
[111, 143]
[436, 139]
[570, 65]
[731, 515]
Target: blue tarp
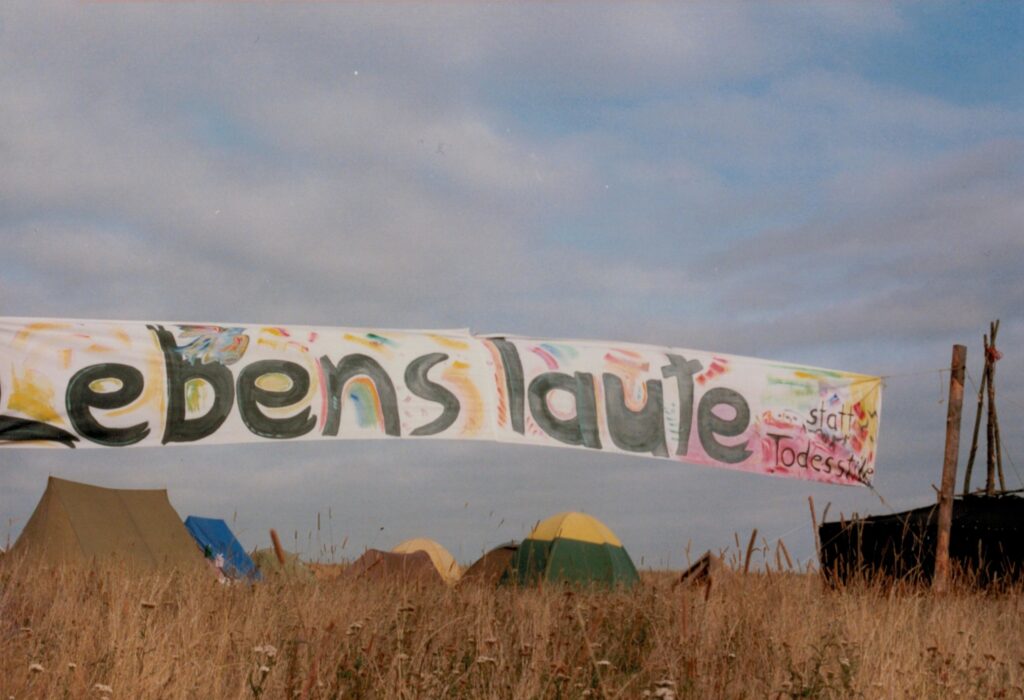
[215, 537]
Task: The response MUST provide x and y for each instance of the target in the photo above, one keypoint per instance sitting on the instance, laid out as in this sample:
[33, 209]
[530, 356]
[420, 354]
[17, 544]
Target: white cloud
[713, 176]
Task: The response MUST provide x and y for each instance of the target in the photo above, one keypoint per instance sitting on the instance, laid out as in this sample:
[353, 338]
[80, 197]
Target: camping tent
[375, 565]
[575, 548]
[493, 567]
[441, 557]
[214, 538]
[267, 564]
[78, 523]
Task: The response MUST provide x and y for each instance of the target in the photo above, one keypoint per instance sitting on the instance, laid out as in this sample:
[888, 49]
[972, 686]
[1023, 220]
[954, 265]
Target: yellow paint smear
[195, 392]
[449, 342]
[469, 396]
[153, 387]
[23, 335]
[274, 381]
[366, 342]
[32, 394]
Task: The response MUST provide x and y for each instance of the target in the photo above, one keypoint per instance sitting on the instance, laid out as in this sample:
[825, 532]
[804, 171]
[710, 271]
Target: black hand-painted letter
[354, 366]
[683, 370]
[419, 384]
[582, 428]
[709, 424]
[251, 397]
[635, 431]
[180, 371]
[81, 397]
[25, 429]
[514, 381]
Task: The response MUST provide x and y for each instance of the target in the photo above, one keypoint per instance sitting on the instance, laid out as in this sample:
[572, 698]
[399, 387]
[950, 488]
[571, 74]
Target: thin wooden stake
[977, 424]
[814, 524]
[940, 580]
[990, 432]
[992, 414]
[278, 549]
[785, 553]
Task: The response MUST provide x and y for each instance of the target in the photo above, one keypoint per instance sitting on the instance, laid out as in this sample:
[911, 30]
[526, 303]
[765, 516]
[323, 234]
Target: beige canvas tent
[78, 523]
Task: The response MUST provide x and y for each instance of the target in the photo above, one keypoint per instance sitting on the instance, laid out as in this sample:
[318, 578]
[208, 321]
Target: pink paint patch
[780, 421]
[323, 396]
[642, 366]
[550, 361]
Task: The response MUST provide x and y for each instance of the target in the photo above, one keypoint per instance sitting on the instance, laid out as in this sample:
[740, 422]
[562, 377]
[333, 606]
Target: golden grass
[66, 633]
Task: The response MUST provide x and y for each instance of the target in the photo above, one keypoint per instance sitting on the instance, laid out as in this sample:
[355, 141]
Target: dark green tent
[573, 548]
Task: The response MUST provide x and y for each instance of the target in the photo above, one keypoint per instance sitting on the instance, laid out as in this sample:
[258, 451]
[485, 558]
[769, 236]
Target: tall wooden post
[940, 581]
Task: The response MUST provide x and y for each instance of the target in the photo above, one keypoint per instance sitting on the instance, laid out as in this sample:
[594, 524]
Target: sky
[835, 184]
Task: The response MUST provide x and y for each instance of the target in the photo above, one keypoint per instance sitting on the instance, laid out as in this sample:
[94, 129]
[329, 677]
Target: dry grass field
[74, 634]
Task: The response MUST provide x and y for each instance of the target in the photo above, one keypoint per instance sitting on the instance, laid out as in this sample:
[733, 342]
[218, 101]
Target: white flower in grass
[267, 649]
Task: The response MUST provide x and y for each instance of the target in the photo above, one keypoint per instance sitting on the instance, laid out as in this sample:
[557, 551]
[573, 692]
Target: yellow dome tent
[576, 548]
[440, 557]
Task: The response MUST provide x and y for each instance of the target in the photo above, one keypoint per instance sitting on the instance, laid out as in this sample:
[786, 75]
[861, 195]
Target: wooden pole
[992, 414]
[977, 424]
[814, 524]
[990, 436]
[940, 580]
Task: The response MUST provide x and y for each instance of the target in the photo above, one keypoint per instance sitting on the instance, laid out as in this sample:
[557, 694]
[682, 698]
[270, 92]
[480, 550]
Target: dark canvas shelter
[376, 565]
[78, 523]
[493, 567]
[214, 537]
[985, 541]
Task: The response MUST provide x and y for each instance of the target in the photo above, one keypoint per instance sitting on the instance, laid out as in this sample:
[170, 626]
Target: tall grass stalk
[64, 633]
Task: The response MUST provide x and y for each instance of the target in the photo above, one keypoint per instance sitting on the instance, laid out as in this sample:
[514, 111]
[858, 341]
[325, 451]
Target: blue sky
[830, 184]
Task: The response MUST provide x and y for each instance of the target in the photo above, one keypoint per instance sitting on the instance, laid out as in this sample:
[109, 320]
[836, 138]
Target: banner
[78, 383]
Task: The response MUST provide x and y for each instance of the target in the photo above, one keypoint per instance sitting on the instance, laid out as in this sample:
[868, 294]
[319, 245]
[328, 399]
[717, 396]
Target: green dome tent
[268, 565]
[573, 548]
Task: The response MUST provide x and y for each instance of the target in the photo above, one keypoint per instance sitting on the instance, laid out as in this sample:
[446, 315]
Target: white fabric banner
[80, 383]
